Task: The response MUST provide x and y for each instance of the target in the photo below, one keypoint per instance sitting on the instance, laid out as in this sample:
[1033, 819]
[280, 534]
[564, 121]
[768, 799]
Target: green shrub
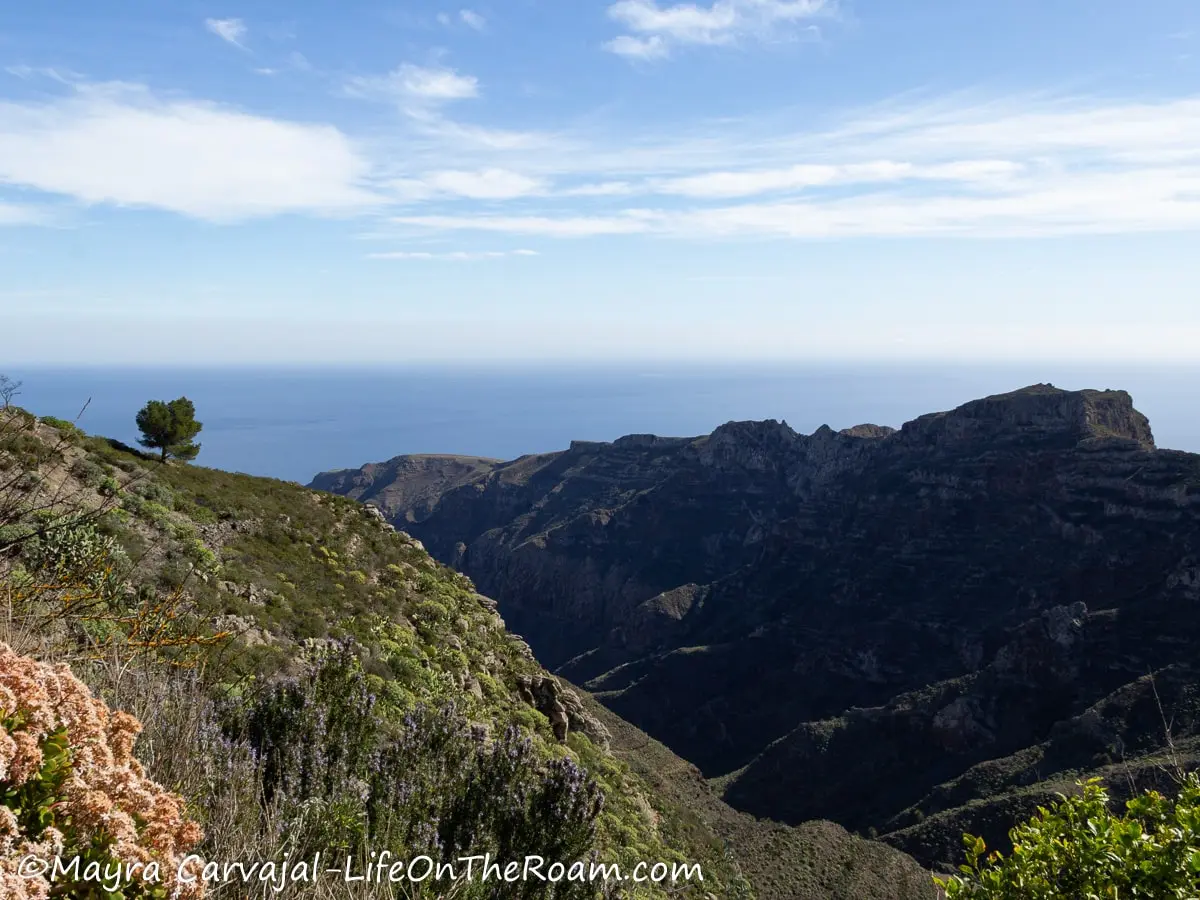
[78, 552]
[25, 450]
[152, 490]
[425, 781]
[88, 472]
[199, 553]
[184, 531]
[1080, 848]
[156, 514]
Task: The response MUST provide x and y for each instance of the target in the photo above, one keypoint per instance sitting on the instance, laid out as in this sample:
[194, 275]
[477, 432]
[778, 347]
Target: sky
[392, 182]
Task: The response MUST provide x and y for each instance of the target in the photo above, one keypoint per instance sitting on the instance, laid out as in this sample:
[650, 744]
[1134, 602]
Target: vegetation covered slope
[905, 631]
[328, 638]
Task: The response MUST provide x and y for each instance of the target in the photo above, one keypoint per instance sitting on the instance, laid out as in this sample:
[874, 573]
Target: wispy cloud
[647, 48]
[21, 214]
[486, 184]
[232, 31]
[962, 165]
[472, 19]
[27, 73]
[451, 256]
[543, 226]
[410, 83]
[751, 182]
[655, 29]
[198, 159]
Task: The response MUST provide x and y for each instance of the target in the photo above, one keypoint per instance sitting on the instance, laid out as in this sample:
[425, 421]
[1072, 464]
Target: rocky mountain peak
[1039, 414]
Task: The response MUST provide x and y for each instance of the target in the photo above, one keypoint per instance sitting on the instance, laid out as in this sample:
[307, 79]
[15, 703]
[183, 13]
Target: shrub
[1080, 848]
[427, 782]
[156, 514]
[88, 472]
[133, 503]
[70, 788]
[77, 552]
[199, 553]
[25, 450]
[184, 531]
[152, 490]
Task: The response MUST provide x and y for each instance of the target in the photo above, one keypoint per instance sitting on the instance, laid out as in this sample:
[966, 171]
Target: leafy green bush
[199, 553]
[76, 552]
[1079, 848]
[423, 782]
[152, 490]
[87, 471]
[156, 514]
[25, 450]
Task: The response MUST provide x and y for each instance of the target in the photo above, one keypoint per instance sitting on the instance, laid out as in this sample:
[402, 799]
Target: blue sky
[249, 181]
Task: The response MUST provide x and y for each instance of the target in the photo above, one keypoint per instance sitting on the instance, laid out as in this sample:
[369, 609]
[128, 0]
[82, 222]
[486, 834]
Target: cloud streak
[963, 165]
[451, 256]
[472, 19]
[654, 29]
[415, 83]
[231, 31]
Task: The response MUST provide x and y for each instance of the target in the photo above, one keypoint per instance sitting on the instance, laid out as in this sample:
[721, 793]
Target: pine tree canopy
[170, 428]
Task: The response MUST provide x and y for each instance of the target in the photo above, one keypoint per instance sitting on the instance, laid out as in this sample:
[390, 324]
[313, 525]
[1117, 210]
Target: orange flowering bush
[70, 789]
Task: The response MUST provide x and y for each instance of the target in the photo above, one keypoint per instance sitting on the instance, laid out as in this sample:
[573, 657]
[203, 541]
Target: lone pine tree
[170, 428]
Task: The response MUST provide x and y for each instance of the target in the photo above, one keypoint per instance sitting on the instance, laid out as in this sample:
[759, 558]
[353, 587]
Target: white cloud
[961, 165]
[472, 19]
[572, 226]
[453, 256]
[656, 27]
[122, 145]
[653, 47]
[751, 182]
[27, 73]
[19, 214]
[466, 137]
[486, 184]
[415, 83]
[229, 30]
[601, 189]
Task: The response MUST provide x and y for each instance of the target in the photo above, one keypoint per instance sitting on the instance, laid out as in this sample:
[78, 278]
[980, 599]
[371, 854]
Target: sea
[291, 423]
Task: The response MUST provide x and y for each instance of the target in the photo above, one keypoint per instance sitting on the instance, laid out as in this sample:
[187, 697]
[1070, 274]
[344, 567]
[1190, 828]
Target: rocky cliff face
[845, 624]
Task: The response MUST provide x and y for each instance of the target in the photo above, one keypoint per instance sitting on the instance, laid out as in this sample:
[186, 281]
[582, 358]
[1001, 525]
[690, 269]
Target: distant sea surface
[294, 423]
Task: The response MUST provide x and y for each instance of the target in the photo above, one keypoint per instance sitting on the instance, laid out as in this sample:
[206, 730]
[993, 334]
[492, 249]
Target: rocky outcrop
[407, 487]
[846, 619]
[563, 707]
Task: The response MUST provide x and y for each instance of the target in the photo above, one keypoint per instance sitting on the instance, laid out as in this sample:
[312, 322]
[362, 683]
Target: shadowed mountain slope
[847, 625]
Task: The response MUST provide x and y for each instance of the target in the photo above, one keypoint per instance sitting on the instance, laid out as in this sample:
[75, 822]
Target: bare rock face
[563, 707]
[852, 621]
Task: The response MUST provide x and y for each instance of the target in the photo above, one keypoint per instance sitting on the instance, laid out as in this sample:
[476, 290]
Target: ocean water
[293, 423]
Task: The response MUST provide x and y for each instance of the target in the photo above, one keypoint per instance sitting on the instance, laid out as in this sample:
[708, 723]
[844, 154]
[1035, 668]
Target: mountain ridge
[732, 591]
